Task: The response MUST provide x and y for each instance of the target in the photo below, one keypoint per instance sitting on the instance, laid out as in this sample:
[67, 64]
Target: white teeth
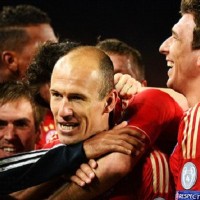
[170, 64]
[8, 149]
[67, 127]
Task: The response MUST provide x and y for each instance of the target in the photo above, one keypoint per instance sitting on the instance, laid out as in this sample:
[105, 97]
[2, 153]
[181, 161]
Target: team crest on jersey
[188, 175]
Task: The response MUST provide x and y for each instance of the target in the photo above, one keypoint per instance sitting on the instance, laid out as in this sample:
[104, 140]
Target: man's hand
[85, 174]
[126, 85]
[120, 139]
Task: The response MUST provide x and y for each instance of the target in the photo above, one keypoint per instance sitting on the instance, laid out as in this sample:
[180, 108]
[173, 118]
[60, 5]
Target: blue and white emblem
[188, 175]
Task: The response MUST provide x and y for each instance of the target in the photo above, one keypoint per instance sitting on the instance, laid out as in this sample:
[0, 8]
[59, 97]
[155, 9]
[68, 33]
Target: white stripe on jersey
[22, 159]
[190, 132]
[196, 130]
[160, 172]
[185, 133]
[19, 157]
[12, 166]
[166, 166]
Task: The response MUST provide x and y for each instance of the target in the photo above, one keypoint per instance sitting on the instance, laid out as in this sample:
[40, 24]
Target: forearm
[41, 191]
[111, 169]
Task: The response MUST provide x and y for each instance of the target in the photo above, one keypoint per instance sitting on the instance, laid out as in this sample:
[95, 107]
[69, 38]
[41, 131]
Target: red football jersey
[155, 114]
[48, 131]
[185, 160]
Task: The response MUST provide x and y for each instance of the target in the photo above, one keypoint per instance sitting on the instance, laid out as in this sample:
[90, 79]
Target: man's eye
[174, 36]
[20, 123]
[76, 97]
[3, 123]
[55, 94]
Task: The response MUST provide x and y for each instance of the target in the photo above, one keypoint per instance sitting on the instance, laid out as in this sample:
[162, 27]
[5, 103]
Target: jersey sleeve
[25, 170]
[154, 113]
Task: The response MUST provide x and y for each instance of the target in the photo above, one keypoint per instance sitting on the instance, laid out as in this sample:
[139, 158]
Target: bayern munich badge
[188, 175]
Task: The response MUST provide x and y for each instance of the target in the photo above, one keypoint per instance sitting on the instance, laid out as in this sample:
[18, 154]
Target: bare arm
[37, 192]
[110, 170]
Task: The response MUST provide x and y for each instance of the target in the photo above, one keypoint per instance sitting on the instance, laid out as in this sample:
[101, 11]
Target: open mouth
[170, 64]
[9, 149]
[68, 127]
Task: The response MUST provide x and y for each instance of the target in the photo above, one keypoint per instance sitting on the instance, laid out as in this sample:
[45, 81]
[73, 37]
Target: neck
[191, 91]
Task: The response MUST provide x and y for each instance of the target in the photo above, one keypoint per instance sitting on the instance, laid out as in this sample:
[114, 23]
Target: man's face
[123, 64]
[17, 128]
[38, 34]
[180, 57]
[75, 103]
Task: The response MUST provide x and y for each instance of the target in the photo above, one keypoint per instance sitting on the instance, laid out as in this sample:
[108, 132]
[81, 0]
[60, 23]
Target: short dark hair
[16, 90]
[112, 45]
[22, 15]
[107, 71]
[40, 70]
[193, 7]
[13, 20]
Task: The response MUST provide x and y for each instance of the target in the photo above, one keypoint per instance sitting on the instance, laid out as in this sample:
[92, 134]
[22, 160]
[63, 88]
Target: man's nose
[9, 133]
[65, 108]
[164, 47]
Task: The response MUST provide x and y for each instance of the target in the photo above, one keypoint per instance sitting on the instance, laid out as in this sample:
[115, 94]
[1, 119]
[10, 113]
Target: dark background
[143, 24]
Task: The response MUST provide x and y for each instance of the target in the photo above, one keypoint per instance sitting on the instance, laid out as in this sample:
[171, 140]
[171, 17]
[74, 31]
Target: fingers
[122, 81]
[134, 88]
[77, 180]
[135, 133]
[128, 145]
[92, 163]
[130, 88]
[85, 174]
[127, 149]
[135, 145]
[117, 76]
[121, 125]
[126, 85]
[124, 140]
[129, 131]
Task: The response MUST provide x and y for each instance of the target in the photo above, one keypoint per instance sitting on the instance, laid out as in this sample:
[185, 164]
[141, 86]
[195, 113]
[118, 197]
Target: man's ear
[111, 101]
[9, 59]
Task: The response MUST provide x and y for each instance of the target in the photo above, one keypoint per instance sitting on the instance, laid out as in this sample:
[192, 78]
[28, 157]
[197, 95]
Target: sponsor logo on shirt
[188, 175]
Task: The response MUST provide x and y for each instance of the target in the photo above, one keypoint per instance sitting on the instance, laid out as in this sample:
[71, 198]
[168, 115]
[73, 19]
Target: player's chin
[170, 83]
[68, 139]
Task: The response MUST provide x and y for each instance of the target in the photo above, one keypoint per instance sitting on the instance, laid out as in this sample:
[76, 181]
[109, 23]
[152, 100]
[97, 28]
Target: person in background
[22, 29]
[20, 119]
[182, 51]
[126, 59]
